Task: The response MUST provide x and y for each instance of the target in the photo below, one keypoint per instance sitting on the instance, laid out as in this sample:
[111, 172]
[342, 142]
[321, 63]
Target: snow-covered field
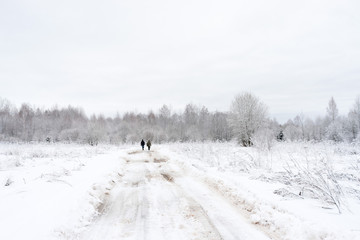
[180, 191]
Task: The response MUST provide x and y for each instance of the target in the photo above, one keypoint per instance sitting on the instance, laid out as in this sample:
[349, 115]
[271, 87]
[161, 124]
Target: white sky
[116, 56]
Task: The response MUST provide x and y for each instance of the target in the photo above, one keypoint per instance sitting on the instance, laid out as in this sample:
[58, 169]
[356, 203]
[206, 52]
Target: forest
[247, 121]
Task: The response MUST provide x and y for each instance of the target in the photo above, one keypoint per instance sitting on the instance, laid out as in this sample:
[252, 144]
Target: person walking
[142, 144]
[148, 144]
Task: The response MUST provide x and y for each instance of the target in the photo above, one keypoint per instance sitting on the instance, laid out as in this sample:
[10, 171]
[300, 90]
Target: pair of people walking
[148, 144]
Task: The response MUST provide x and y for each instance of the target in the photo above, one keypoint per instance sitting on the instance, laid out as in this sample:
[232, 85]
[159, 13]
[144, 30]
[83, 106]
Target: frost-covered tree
[264, 138]
[332, 110]
[204, 123]
[320, 129]
[25, 117]
[219, 127]
[350, 127]
[291, 131]
[356, 110]
[247, 115]
[299, 121]
[191, 114]
[356, 116]
[164, 116]
[96, 130]
[7, 124]
[334, 130]
[151, 118]
[352, 123]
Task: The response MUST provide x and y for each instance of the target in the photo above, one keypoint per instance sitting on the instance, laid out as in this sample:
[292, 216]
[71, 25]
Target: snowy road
[155, 199]
[183, 191]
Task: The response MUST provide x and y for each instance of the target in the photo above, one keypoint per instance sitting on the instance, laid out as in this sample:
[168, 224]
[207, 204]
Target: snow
[251, 176]
[176, 191]
[48, 186]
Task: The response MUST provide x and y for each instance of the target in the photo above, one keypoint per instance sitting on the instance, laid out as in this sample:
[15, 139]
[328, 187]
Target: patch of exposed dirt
[101, 207]
[148, 176]
[136, 161]
[159, 160]
[135, 152]
[135, 184]
[167, 177]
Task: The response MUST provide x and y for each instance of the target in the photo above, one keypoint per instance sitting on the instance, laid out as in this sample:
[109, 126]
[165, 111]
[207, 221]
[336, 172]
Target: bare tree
[5, 118]
[191, 114]
[291, 131]
[164, 116]
[354, 119]
[334, 130]
[204, 123]
[247, 115]
[332, 110]
[219, 128]
[299, 121]
[25, 116]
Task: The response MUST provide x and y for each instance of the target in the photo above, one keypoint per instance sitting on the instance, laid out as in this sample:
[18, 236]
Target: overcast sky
[116, 56]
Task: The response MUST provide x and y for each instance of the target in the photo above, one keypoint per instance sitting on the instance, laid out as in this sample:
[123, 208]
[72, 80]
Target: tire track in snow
[222, 215]
[154, 200]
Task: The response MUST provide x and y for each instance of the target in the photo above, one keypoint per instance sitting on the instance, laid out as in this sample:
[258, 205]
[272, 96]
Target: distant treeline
[245, 121]
[72, 125]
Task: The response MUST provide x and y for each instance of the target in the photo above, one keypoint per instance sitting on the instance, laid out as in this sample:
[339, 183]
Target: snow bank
[50, 191]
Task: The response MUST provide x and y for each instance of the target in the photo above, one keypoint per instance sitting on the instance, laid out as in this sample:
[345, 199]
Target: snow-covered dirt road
[178, 191]
[154, 198]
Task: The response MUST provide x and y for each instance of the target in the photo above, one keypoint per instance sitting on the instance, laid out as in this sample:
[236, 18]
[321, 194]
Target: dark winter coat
[142, 143]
